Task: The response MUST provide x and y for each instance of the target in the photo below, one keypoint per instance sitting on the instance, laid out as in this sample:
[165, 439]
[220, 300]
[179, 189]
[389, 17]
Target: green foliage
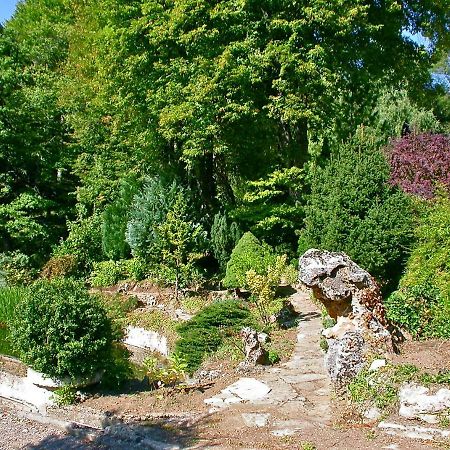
[9, 298]
[59, 266]
[421, 310]
[249, 254]
[135, 269]
[148, 211]
[84, 243]
[194, 304]
[430, 257]
[16, 269]
[106, 273]
[117, 308]
[180, 243]
[224, 237]
[394, 108]
[159, 376]
[115, 219]
[263, 289]
[65, 395]
[352, 209]
[61, 330]
[204, 333]
[273, 207]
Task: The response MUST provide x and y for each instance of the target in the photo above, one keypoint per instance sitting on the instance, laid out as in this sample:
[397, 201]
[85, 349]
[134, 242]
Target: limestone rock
[142, 338]
[352, 297]
[254, 352]
[417, 403]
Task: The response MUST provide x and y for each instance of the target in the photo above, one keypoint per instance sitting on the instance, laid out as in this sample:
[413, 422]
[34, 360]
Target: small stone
[283, 432]
[372, 413]
[257, 420]
[377, 364]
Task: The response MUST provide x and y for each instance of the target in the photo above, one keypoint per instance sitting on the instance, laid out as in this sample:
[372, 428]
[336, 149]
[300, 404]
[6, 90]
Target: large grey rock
[142, 338]
[417, 403]
[352, 297]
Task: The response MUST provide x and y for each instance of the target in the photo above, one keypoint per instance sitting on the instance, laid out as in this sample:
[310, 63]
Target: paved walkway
[300, 389]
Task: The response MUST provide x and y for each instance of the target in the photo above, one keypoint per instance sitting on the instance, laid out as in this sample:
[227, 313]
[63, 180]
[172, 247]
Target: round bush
[249, 254]
[62, 331]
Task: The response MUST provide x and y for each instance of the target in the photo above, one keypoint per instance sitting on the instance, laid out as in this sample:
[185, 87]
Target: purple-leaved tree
[419, 163]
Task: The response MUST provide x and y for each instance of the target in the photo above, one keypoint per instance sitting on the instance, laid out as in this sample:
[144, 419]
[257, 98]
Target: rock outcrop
[254, 351]
[351, 297]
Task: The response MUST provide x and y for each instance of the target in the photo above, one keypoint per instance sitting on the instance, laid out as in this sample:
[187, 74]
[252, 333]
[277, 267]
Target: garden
[156, 196]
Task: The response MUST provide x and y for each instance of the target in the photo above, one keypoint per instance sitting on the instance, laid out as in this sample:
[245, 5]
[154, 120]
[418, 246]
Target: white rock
[283, 432]
[214, 401]
[377, 364]
[372, 414]
[414, 432]
[142, 338]
[248, 389]
[256, 419]
[417, 403]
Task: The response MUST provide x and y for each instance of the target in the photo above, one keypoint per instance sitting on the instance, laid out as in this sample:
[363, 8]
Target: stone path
[300, 388]
[299, 398]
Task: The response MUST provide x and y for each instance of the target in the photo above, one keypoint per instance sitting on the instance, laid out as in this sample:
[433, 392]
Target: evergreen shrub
[62, 331]
[224, 237]
[204, 333]
[249, 254]
[353, 209]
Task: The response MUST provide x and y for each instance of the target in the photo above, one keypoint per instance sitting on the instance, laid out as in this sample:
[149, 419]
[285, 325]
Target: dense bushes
[249, 254]
[62, 331]
[421, 310]
[84, 243]
[420, 163]
[352, 209]
[430, 258]
[422, 305]
[204, 333]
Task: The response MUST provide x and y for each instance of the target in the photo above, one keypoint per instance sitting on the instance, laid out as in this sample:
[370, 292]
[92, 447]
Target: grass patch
[9, 298]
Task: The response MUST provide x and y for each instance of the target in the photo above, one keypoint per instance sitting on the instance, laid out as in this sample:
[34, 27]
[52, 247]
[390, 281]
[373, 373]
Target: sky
[7, 7]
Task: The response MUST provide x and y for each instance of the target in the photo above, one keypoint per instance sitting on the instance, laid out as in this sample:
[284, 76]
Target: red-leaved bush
[419, 163]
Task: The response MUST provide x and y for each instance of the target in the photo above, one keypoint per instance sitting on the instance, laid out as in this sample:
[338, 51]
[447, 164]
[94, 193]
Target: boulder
[351, 297]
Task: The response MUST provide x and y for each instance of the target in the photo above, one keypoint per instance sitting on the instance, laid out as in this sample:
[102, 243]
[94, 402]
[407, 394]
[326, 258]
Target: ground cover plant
[204, 333]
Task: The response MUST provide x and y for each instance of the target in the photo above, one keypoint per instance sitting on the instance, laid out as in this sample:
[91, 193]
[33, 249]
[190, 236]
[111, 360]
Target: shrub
[429, 262]
[419, 163]
[263, 288]
[148, 210]
[249, 254]
[106, 273]
[84, 243]
[135, 269]
[421, 310]
[16, 269]
[62, 331]
[224, 237]
[272, 207]
[59, 266]
[352, 209]
[204, 333]
[159, 376]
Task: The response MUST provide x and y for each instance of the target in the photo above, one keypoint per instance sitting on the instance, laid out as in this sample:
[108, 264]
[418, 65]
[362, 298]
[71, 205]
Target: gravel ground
[18, 432]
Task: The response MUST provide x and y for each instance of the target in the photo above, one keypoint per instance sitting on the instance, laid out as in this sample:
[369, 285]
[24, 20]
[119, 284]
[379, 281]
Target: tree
[179, 242]
[224, 237]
